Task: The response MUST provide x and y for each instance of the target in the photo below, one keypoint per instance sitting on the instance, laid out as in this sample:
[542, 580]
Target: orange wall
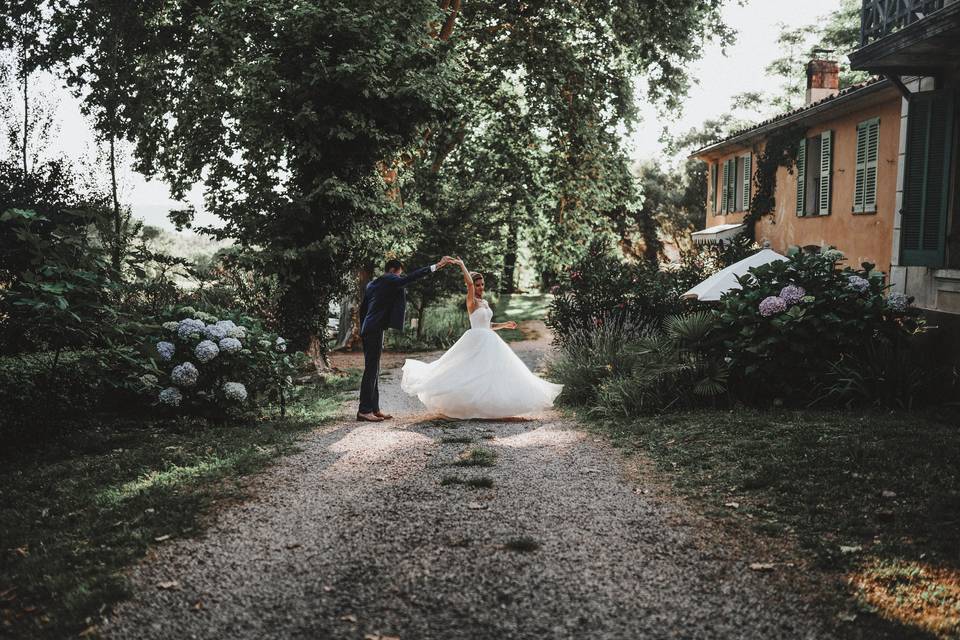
[862, 237]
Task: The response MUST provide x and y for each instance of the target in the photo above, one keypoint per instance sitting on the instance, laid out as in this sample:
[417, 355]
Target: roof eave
[817, 108]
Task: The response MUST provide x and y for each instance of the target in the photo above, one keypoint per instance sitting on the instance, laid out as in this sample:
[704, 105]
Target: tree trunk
[117, 218]
[421, 312]
[26, 110]
[348, 333]
[510, 257]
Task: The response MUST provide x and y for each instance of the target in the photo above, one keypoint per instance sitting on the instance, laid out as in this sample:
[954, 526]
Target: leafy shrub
[794, 320]
[603, 288]
[668, 371]
[590, 356]
[215, 365]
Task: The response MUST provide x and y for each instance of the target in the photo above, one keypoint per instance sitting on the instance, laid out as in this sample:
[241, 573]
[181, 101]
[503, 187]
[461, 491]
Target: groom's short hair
[393, 263]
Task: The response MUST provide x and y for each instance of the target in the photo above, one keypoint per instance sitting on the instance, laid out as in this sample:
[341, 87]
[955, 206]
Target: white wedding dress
[478, 377]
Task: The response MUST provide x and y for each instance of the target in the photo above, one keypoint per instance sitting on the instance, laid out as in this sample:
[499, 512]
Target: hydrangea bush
[210, 364]
[792, 321]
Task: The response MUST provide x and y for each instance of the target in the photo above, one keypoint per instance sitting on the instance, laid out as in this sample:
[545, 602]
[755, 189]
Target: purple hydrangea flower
[185, 374]
[215, 332]
[281, 345]
[898, 301]
[792, 294]
[230, 345]
[858, 284]
[772, 305]
[171, 396]
[206, 351]
[166, 350]
[189, 328]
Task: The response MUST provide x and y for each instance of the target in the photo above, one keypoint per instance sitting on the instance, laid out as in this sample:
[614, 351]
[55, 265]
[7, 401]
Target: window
[926, 180]
[865, 184]
[814, 172]
[735, 193]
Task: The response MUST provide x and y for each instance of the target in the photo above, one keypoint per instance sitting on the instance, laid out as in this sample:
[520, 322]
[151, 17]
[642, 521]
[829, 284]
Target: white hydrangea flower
[171, 396]
[166, 350]
[171, 326]
[185, 374]
[230, 345]
[265, 344]
[235, 391]
[189, 328]
[227, 324]
[237, 331]
[281, 345]
[206, 351]
[148, 380]
[834, 255]
[205, 317]
[215, 332]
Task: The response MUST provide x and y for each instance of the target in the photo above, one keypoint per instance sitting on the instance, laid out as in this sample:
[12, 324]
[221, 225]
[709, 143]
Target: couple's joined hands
[445, 260]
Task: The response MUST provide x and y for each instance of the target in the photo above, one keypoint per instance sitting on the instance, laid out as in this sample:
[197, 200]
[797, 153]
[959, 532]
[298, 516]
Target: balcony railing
[882, 17]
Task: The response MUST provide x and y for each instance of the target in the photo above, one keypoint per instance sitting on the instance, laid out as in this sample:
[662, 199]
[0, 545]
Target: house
[876, 173]
[842, 191]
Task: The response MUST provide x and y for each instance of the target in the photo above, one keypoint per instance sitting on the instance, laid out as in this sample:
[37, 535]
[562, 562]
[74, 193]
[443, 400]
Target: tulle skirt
[478, 377]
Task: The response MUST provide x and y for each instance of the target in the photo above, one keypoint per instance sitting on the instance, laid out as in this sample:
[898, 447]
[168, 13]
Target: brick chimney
[823, 80]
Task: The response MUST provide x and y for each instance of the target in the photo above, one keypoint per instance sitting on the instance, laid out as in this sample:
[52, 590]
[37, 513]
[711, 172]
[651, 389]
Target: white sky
[718, 78]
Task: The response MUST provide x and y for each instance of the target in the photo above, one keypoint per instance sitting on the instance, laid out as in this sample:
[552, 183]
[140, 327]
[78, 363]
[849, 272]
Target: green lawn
[873, 496]
[520, 307]
[79, 509]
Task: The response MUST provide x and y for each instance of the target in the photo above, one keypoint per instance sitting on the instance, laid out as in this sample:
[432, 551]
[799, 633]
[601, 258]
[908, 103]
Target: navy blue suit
[383, 307]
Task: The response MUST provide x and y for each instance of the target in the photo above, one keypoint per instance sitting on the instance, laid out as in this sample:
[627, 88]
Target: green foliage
[779, 150]
[602, 288]
[787, 355]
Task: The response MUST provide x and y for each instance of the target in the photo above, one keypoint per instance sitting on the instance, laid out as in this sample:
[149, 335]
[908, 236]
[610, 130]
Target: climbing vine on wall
[780, 151]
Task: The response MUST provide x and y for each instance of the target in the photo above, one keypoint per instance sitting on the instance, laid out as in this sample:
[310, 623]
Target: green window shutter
[732, 185]
[873, 153]
[926, 178]
[747, 161]
[723, 194]
[801, 175]
[826, 168]
[713, 188]
[861, 173]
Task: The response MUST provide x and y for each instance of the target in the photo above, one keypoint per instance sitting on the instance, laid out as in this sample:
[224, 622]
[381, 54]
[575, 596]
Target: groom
[383, 307]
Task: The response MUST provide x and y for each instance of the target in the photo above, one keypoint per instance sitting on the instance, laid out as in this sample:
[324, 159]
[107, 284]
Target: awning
[725, 280]
[717, 234]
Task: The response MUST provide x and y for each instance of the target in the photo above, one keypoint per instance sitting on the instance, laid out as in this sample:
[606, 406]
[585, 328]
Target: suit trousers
[370, 385]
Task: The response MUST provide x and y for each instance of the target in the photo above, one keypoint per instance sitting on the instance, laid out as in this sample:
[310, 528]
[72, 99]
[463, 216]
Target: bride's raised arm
[471, 292]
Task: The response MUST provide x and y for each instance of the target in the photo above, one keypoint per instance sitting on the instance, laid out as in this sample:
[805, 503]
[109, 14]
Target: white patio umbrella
[726, 279]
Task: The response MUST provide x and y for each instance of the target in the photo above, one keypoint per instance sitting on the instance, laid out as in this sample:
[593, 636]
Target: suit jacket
[385, 301]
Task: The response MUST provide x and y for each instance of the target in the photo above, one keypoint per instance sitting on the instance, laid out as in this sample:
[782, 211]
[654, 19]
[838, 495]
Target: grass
[860, 492]
[80, 508]
[476, 457]
[456, 439]
[480, 482]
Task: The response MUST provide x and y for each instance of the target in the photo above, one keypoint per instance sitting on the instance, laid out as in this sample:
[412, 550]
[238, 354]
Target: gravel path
[356, 537]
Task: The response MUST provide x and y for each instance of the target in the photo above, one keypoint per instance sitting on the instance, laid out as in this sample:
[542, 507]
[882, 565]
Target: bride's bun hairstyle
[476, 275]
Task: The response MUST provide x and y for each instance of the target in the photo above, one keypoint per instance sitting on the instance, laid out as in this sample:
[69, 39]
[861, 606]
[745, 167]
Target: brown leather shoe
[368, 417]
[383, 416]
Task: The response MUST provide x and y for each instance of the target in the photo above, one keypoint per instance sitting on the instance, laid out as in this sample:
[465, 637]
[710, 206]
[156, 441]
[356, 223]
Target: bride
[480, 376]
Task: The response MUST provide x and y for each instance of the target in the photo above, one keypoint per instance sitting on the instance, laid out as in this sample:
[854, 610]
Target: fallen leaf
[198, 605]
[327, 588]
[349, 618]
[89, 631]
[888, 494]
[162, 538]
[851, 549]
[389, 637]
[295, 545]
[166, 586]
[23, 552]
[846, 617]
[732, 505]
[475, 505]
[762, 566]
